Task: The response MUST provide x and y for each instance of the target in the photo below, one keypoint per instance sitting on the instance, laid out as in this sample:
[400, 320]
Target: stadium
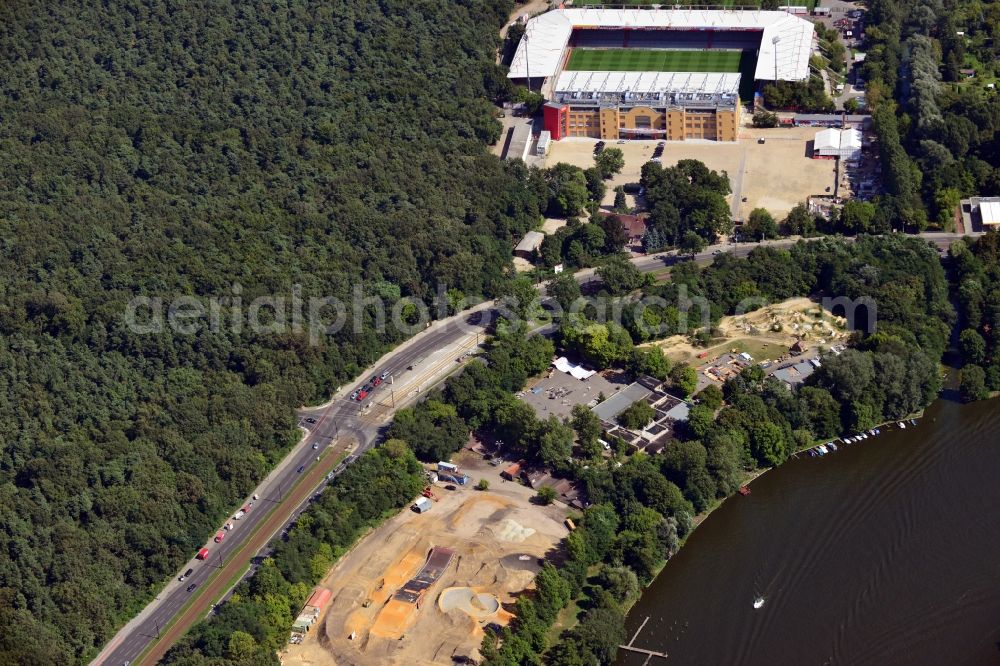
[655, 73]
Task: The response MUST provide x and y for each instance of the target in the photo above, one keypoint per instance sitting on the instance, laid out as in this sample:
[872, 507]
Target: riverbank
[858, 535]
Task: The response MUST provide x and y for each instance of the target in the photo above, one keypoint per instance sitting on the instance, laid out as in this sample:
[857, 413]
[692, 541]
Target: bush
[765, 119]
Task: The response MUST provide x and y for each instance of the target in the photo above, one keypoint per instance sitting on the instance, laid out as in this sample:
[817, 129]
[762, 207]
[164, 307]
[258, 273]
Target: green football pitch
[653, 60]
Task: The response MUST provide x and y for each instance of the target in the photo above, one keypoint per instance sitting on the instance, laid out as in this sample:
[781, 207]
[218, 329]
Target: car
[310, 420]
[384, 375]
[621, 141]
[192, 586]
[362, 395]
[228, 526]
[354, 396]
[315, 446]
[450, 487]
[301, 469]
[367, 388]
[376, 380]
[761, 140]
[185, 575]
[717, 252]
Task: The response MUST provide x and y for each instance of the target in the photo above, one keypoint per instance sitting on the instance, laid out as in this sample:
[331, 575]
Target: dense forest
[230, 149]
[977, 278]
[938, 132]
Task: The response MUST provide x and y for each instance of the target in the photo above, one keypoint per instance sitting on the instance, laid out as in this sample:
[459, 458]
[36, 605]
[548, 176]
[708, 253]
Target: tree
[684, 378]
[620, 204]
[637, 416]
[588, 428]
[856, 217]
[620, 275]
[521, 297]
[851, 105]
[692, 243]
[759, 225]
[765, 119]
[973, 346]
[546, 494]
[768, 444]
[615, 236]
[595, 185]
[565, 289]
[972, 383]
[650, 361]
[621, 582]
[710, 396]
[799, 221]
[609, 162]
[556, 443]
[567, 189]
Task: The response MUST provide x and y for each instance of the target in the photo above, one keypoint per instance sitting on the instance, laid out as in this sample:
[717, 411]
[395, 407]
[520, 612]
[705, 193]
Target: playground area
[765, 334]
[420, 588]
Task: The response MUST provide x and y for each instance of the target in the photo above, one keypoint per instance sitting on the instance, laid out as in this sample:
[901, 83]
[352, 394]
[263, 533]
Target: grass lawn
[653, 60]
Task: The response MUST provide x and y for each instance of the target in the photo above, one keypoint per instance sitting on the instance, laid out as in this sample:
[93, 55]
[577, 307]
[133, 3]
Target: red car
[362, 395]
[203, 554]
[219, 536]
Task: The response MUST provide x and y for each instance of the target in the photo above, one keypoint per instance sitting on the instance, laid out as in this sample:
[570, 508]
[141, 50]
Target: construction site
[422, 587]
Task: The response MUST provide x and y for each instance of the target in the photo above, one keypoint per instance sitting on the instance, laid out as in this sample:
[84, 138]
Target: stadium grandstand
[670, 74]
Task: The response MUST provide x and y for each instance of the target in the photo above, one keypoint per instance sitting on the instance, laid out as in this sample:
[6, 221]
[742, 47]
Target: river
[885, 552]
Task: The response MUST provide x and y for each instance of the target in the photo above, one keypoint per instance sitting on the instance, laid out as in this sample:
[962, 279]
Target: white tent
[562, 364]
[843, 143]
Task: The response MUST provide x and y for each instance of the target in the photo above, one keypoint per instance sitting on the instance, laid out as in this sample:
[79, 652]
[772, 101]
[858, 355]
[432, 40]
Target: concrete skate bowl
[479, 605]
[521, 562]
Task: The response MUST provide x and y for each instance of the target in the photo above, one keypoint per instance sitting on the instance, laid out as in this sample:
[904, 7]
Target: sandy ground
[753, 333]
[774, 175]
[489, 531]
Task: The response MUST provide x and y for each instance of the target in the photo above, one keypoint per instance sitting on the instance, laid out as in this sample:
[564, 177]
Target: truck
[202, 554]
[239, 514]
[447, 467]
[219, 536]
[460, 479]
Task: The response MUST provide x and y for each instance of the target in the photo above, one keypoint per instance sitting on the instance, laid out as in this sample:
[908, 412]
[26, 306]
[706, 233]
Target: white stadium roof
[545, 38]
[643, 83]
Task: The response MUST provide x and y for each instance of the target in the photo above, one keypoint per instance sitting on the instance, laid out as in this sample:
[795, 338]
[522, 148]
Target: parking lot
[776, 174]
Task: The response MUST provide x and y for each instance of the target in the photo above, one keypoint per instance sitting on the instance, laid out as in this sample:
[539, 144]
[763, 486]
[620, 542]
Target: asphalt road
[349, 427]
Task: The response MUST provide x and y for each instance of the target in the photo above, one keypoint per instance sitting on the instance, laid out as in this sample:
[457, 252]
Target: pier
[649, 653]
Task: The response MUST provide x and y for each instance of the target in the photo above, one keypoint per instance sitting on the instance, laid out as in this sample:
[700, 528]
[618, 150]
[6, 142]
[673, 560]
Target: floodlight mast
[775, 41]
[527, 63]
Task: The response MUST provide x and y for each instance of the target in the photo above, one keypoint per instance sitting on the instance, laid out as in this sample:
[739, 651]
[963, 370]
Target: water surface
[885, 552]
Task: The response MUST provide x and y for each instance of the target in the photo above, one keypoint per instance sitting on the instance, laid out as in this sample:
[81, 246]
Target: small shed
[422, 505]
[529, 245]
[512, 473]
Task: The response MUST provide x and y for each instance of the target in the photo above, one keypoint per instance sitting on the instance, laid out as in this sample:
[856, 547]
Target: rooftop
[786, 40]
[647, 84]
[618, 403]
